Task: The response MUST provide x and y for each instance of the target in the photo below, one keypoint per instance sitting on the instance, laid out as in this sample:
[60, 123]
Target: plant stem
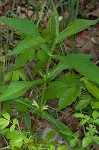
[44, 88]
[36, 122]
[45, 84]
[41, 12]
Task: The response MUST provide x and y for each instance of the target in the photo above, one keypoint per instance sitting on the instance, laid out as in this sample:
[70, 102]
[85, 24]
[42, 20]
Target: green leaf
[67, 132]
[41, 141]
[50, 135]
[41, 55]
[15, 121]
[92, 88]
[15, 75]
[8, 108]
[65, 89]
[95, 114]
[74, 57]
[25, 26]
[86, 141]
[70, 79]
[76, 134]
[52, 145]
[8, 76]
[16, 89]
[21, 108]
[95, 105]
[28, 43]
[53, 26]
[58, 125]
[27, 122]
[56, 89]
[96, 139]
[4, 123]
[23, 58]
[51, 31]
[68, 97]
[45, 53]
[83, 103]
[10, 135]
[57, 70]
[17, 142]
[63, 147]
[6, 115]
[73, 142]
[12, 128]
[3, 131]
[2, 58]
[62, 66]
[45, 48]
[96, 121]
[79, 115]
[22, 75]
[76, 26]
[56, 18]
[26, 102]
[82, 64]
[59, 87]
[82, 122]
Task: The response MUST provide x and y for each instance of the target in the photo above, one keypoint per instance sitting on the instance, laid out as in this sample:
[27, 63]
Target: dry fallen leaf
[94, 13]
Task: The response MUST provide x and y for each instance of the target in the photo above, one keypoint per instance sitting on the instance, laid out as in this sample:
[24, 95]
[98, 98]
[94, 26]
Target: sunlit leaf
[50, 135]
[86, 141]
[92, 88]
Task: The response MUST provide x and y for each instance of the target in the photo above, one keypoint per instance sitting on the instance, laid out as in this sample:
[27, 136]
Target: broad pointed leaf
[70, 95]
[56, 20]
[27, 122]
[28, 42]
[62, 66]
[50, 135]
[56, 89]
[95, 105]
[82, 64]
[92, 89]
[59, 126]
[16, 89]
[25, 26]
[23, 58]
[57, 70]
[70, 79]
[86, 141]
[53, 26]
[82, 104]
[4, 123]
[73, 28]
